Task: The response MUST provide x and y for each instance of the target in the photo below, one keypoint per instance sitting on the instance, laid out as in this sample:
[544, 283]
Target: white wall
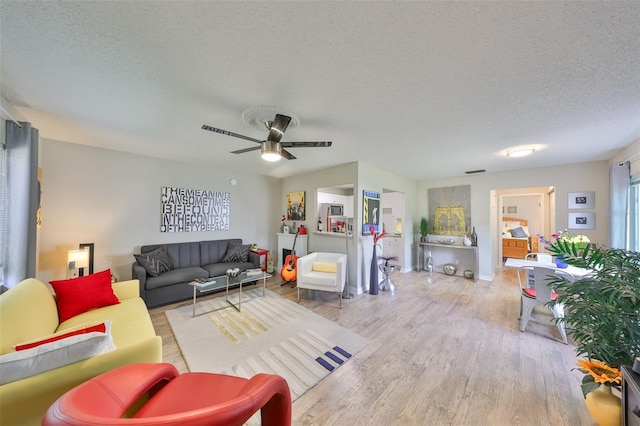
[112, 199]
[592, 176]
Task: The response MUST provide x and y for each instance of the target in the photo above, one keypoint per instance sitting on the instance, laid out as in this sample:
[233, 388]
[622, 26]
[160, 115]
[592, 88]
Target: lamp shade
[78, 259]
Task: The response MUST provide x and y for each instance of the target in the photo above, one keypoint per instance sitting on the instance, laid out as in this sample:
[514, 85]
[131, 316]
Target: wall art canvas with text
[193, 210]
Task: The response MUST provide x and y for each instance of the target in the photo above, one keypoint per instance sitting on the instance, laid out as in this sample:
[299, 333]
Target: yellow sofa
[28, 311]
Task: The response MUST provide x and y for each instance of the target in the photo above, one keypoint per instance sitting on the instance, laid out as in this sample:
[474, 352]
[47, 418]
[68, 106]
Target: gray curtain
[23, 199]
[620, 179]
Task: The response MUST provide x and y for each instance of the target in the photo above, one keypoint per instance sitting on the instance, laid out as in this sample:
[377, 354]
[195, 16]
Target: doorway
[536, 205]
[393, 206]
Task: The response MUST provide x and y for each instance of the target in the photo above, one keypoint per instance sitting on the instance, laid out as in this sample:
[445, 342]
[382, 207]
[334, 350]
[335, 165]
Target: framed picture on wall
[582, 200]
[583, 220]
[370, 212]
[295, 206]
[512, 209]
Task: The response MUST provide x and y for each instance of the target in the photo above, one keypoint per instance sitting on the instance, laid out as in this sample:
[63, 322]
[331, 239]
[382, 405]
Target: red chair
[173, 399]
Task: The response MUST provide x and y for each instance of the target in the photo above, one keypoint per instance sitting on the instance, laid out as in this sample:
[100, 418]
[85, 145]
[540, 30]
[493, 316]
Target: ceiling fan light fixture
[271, 151]
[521, 151]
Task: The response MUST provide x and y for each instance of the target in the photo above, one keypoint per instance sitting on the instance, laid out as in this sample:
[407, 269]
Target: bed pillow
[519, 232]
[237, 253]
[155, 262]
[83, 294]
[55, 354]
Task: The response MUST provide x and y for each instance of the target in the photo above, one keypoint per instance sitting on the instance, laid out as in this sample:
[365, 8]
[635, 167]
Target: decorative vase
[560, 263]
[373, 275]
[450, 269]
[428, 264]
[466, 240]
[474, 237]
[604, 407]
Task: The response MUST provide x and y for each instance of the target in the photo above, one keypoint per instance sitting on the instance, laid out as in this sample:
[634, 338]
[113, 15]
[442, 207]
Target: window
[633, 236]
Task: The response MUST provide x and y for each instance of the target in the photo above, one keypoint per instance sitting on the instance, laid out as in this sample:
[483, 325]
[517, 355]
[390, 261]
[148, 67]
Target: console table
[462, 256]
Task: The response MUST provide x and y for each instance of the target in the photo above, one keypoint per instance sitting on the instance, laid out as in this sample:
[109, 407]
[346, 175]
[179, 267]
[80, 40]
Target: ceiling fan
[272, 149]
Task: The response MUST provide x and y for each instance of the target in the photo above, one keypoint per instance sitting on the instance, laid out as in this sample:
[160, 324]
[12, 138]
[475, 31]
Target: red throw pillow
[99, 328]
[82, 294]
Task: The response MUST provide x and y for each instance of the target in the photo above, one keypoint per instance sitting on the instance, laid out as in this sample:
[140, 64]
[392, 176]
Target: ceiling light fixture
[271, 151]
[521, 151]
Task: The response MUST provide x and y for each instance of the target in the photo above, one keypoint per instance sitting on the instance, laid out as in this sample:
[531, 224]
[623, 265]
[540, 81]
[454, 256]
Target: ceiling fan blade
[305, 144]
[240, 151]
[278, 126]
[286, 154]
[225, 132]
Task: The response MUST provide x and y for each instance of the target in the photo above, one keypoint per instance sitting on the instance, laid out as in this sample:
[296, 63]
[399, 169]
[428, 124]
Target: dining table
[523, 263]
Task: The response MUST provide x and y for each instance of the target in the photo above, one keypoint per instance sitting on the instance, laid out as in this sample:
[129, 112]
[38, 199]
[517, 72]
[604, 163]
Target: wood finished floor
[443, 351]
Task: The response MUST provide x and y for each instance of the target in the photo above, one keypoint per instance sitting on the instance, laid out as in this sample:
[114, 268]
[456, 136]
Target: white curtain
[22, 201]
[620, 180]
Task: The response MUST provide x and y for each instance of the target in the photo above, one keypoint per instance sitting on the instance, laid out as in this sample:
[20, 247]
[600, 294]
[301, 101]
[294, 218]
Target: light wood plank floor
[443, 351]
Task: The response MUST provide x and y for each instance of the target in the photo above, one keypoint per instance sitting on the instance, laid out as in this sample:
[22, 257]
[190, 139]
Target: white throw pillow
[29, 362]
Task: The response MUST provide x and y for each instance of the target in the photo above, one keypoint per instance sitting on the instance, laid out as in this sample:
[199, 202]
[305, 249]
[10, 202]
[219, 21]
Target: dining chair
[544, 258]
[542, 294]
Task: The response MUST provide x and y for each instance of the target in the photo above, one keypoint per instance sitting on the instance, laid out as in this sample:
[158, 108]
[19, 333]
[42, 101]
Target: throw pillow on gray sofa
[155, 262]
[237, 253]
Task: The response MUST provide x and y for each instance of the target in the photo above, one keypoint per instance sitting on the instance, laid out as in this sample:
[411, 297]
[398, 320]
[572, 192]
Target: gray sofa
[189, 261]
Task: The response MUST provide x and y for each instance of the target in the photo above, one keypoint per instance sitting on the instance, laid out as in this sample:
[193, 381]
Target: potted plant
[601, 312]
[424, 229]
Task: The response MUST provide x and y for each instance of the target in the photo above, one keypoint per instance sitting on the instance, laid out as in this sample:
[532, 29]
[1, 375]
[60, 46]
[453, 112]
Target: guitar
[288, 271]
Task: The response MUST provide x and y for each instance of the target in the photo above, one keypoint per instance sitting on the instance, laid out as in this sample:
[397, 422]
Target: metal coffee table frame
[224, 281]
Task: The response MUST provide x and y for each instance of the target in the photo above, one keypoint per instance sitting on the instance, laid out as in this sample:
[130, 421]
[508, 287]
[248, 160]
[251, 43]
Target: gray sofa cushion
[181, 275]
[214, 251]
[181, 255]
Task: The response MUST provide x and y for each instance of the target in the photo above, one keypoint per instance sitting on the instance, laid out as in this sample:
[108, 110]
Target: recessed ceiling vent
[473, 172]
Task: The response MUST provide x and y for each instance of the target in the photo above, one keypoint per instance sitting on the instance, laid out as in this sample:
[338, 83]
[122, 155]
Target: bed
[516, 241]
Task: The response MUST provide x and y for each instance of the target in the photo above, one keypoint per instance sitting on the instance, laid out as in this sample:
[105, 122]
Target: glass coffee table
[207, 285]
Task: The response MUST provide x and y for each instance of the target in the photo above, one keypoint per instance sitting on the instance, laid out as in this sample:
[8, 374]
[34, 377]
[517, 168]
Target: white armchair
[322, 271]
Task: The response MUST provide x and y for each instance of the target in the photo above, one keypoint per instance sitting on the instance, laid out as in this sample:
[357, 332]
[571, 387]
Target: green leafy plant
[424, 227]
[602, 309]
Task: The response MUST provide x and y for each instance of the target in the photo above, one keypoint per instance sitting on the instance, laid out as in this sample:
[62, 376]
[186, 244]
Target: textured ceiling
[424, 89]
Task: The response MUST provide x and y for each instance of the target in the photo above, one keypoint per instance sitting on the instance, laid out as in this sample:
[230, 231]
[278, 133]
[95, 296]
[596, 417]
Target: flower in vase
[579, 241]
[598, 373]
[376, 236]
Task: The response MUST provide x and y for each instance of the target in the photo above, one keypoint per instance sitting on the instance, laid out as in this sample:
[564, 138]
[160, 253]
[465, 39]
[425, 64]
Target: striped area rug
[271, 334]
